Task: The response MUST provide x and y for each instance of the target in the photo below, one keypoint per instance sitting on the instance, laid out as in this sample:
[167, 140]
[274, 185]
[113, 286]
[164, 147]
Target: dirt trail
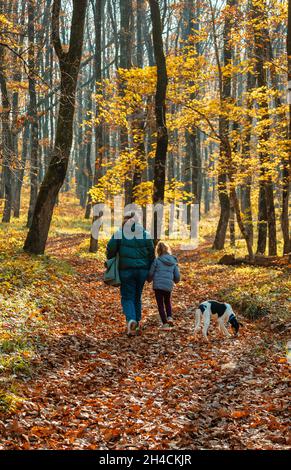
[97, 389]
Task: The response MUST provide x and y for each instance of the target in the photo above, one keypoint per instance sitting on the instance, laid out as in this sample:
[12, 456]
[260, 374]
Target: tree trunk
[261, 40]
[224, 212]
[191, 26]
[20, 172]
[125, 62]
[232, 226]
[140, 18]
[138, 124]
[56, 173]
[99, 149]
[262, 220]
[148, 44]
[7, 141]
[88, 150]
[80, 149]
[246, 187]
[287, 163]
[225, 94]
[34, 147]
[160, 110]
[235, 204]
[89, 178]
[194, 146]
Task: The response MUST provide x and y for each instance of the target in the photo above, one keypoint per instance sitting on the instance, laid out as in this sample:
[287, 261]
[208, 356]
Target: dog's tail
[198, 315]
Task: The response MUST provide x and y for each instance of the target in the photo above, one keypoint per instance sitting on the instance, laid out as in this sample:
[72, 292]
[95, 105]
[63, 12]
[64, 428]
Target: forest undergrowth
[71, 379]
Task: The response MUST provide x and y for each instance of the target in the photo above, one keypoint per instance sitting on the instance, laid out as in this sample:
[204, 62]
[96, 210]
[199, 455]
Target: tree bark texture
[56, 173]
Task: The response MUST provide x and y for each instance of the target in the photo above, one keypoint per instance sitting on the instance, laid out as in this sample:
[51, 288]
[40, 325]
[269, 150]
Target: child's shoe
[166, 327]
[170, 321]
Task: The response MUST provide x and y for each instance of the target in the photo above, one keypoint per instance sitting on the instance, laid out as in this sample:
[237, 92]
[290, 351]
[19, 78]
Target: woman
[136, 253]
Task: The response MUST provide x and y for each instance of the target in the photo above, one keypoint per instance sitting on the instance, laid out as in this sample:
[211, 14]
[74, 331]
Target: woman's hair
[163, 249]
[128, 216]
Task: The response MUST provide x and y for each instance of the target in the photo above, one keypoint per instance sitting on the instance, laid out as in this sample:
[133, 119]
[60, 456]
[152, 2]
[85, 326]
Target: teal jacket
[136, 253]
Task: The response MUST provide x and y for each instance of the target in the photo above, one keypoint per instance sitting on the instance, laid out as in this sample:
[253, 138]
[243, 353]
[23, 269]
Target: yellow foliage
[126, 101]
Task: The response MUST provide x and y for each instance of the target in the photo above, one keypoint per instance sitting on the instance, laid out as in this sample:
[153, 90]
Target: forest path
[96, 389]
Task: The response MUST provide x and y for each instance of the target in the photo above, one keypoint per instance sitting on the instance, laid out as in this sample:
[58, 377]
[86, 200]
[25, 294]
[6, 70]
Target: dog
[224, 313]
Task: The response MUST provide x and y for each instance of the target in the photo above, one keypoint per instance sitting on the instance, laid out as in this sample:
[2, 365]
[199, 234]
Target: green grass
[14, 345]
[16, 363]
[82, 250]
[8, 401]
[30, 291]
[259, 291]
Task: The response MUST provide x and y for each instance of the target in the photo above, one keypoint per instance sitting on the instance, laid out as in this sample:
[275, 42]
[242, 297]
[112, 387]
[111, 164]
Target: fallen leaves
[112, 435]
[282, 360]
[41, 431]
[240, 414]
[15, 427]
[92, 388]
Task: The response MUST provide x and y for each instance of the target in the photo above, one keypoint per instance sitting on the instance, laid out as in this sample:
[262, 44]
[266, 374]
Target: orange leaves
[182, 370]
[138, 379]
[223, 412]
[135, 408]
[256, 422]
[149, 402]
[104, 355]
[112, 435]
[15, 427]
[282, 360]
[41, 431]
[239, 414]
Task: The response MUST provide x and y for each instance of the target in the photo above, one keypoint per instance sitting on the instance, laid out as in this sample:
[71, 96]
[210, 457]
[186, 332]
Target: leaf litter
[93, 388]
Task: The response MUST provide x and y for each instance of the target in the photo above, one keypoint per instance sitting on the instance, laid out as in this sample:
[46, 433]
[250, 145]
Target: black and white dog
[224, 314]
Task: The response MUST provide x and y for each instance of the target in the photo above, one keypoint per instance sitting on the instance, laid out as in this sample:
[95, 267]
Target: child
[164, 272]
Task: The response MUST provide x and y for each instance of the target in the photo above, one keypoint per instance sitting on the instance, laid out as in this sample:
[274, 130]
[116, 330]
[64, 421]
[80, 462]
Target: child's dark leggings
[164, 304]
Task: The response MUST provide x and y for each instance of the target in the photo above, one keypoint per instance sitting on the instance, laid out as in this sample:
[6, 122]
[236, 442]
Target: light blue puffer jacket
[164, 272]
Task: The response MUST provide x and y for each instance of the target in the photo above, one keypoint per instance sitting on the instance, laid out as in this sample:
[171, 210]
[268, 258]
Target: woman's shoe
[131, 328]
[166, 327]
[170, 321]
[138, 329]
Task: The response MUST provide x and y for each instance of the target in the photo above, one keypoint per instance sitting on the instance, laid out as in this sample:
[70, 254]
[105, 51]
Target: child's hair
[163, 249]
